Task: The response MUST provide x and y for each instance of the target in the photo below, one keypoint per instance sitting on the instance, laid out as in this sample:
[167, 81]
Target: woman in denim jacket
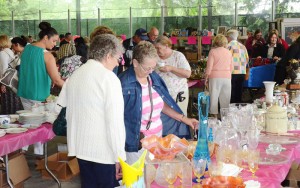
[163, 117]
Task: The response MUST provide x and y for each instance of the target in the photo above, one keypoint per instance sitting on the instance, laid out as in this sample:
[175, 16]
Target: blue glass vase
[202, 151]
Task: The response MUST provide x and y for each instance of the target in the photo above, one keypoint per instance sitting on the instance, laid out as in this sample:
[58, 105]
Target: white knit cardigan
[95, 114]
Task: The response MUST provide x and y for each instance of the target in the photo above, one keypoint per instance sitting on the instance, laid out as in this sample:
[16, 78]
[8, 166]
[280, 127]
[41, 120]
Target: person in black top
[272, 49]
[81, 47]
[293, 52]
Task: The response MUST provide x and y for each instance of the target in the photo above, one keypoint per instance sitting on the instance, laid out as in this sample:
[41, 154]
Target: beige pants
[220, 91]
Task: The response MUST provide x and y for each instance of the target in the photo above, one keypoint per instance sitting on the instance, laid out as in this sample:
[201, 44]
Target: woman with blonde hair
[174, 69]
[218, 74]
[10, 102]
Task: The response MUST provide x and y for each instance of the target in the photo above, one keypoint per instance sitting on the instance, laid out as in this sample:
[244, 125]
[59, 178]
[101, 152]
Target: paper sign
[174, 40]
[206, 40]
[192, 40]
[123, 37]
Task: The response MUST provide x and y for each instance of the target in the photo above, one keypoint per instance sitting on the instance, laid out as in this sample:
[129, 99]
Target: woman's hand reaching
[192, 122]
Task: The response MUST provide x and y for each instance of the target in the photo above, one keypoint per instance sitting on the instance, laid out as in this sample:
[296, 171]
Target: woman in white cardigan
[95, 114]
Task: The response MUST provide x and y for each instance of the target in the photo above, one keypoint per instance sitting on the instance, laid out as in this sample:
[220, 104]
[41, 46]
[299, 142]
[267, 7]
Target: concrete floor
[36, 180]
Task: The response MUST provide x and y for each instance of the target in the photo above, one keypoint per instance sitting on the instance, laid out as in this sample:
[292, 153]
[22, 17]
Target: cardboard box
[293, 177]
[18, 171]
[62, 166]
[191, 55]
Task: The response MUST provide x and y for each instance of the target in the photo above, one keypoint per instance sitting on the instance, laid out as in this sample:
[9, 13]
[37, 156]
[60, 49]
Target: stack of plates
[32, 118]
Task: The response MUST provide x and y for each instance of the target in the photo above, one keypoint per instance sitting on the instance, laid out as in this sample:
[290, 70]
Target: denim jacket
[132, 93]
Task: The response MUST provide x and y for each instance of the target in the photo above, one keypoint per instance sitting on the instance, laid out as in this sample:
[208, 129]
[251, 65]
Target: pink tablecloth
[196, 83]
[270, 176]
[13, 142]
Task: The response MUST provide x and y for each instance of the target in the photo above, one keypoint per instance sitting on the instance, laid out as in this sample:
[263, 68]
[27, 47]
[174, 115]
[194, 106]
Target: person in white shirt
[174, 69]
[95, 114]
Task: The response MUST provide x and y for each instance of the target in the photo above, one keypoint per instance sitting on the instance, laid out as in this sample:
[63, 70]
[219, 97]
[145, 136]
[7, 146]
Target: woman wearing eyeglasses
[149, 108]
[174, 69]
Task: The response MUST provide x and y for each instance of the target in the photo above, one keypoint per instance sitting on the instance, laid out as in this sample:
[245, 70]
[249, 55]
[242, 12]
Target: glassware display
[199, 167]
[253, 161]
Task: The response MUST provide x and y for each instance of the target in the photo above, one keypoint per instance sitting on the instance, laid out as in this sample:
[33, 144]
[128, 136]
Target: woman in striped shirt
[149, 108]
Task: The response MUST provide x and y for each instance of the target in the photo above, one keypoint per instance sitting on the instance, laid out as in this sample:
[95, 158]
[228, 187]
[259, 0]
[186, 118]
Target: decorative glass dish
[278, 139]
[266, 159]
[166, 147]
[223, 181]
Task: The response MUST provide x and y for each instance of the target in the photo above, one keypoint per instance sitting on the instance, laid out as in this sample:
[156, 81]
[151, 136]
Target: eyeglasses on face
[120, 59]
[148, 69]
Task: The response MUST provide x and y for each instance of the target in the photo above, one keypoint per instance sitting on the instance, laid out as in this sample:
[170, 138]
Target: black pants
[97, 175]
[237, 81]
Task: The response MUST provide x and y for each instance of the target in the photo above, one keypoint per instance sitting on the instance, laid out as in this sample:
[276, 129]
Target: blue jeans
[97, 175]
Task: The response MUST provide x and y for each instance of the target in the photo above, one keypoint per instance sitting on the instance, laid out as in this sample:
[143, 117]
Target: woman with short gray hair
[149, 108]
[95, 114]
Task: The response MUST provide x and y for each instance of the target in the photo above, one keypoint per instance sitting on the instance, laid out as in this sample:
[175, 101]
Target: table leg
[46, 165]
[7, 172]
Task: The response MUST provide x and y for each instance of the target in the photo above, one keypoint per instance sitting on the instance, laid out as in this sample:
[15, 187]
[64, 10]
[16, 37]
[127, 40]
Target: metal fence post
[13, 24]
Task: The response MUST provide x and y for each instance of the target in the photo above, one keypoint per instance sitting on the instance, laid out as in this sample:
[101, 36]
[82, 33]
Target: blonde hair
[163, 40]
[4, 42]
[220, 41]
[101, 30]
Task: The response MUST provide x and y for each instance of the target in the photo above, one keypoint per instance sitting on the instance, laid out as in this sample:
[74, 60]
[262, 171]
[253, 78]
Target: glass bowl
[223, 181]
[164, 147]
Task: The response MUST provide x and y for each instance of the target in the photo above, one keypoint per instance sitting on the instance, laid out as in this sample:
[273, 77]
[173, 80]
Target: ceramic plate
[31, 115]
[30, 126]
[2, 133]
[16, 130]
[7, 126]
[23, 111]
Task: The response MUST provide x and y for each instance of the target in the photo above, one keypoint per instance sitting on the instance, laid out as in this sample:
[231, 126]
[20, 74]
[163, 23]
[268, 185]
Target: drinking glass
[214, 168]
[253, 138]
[253, 160]
[199, 167]
[224, 112]
[170, 172]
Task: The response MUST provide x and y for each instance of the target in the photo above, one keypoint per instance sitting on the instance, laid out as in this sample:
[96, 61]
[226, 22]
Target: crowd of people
[117, 92]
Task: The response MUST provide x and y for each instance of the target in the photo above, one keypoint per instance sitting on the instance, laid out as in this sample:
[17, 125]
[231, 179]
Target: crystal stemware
[199, 167]
[253, 160]
[253, 138]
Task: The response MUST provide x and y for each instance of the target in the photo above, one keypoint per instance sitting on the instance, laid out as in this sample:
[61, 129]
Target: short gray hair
[105, 44]
[144, 50]
[233, 34]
